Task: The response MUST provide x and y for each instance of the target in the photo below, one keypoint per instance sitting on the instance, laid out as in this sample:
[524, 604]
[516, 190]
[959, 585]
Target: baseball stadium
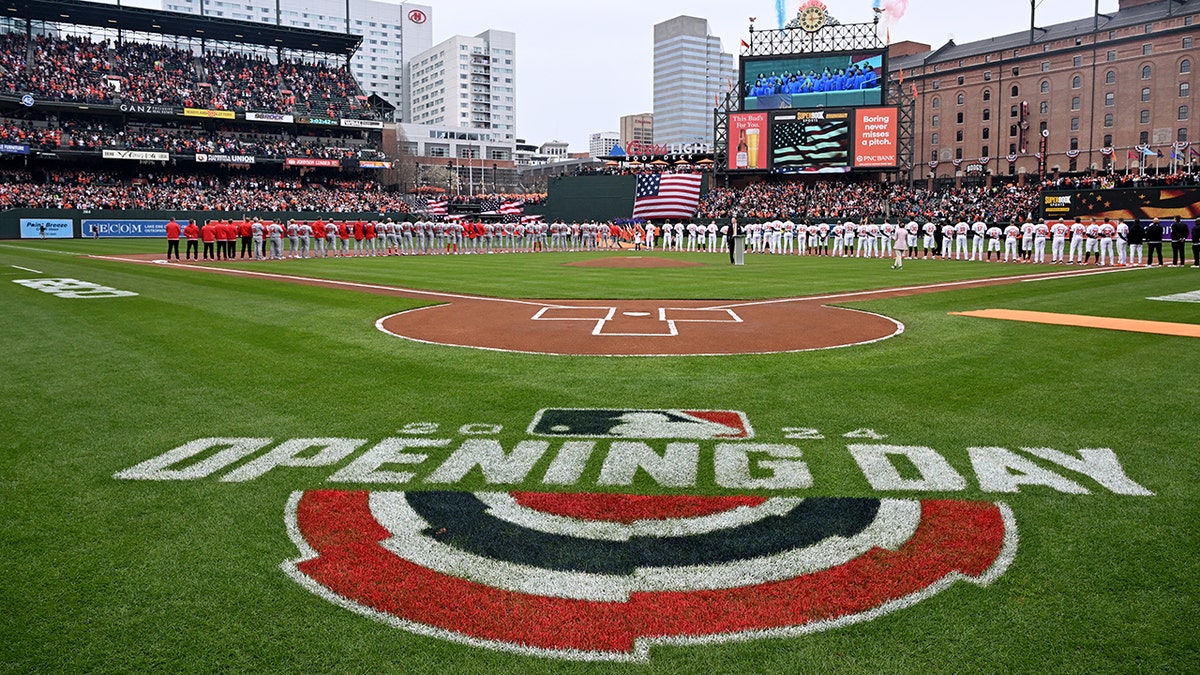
[786, 404]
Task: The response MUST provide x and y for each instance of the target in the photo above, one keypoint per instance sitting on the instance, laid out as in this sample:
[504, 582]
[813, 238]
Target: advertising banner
[149, 109]
[126, 228]
[363, 124]
[214, 114]
[320, 121]
[14, 149]
[812, 141]
[138, 155]
[875, 133]
[55, 228]
[270, 117]
[1124, 204]
[311, 161]
[373, 164]
[224, 159]
[747, 141]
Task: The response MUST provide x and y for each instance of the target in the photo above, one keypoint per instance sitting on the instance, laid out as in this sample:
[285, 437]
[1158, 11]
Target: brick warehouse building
[1103, 88]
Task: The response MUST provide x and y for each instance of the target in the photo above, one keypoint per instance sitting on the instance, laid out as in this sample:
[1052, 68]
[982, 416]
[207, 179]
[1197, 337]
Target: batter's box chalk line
[667, 318]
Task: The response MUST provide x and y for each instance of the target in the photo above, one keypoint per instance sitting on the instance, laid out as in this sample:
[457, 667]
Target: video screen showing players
[827, 81]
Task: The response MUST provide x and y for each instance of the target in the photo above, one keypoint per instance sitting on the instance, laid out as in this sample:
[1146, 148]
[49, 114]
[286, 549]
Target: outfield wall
[602, 198]
[68, 223]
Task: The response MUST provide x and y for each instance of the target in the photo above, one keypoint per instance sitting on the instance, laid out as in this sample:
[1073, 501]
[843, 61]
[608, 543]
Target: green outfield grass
[110, 575]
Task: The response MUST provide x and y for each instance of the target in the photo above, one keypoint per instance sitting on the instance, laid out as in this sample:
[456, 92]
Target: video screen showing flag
[666, 195]
[814, 141]
[841, 80]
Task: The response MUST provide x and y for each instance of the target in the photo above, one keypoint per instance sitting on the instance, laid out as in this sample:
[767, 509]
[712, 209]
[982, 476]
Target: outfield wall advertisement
[54, 228]
[126, 228]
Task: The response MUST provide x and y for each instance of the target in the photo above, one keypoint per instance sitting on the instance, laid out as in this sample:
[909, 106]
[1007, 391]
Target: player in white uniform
[1058, 242]
[1040, 231]
[872, 233]
[978, 232]
[789, 236]
[1026, 241]
[853, 235]
[912, 229]
[947, 241]
[1011, 234]
[928, 245]
[1091, 243]
[1122, 242]
[887, 239]
[960, 240]
[1107, 233]
[994, 234]
[1077, 231]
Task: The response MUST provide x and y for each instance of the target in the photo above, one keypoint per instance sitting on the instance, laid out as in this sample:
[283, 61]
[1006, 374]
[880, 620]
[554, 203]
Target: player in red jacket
[243, 229]
[192, 233]
[344, 236]
[369, 236]
[173, 232]
[208, 234]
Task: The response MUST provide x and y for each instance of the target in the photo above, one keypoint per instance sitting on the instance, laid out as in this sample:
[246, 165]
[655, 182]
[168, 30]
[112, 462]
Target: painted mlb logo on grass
[631, 423]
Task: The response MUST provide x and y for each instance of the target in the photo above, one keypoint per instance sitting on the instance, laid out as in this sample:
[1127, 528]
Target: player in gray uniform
[293, 235]
[257, 231]
[404, 235]
[304, 233]
[275, 234]
[331, 238]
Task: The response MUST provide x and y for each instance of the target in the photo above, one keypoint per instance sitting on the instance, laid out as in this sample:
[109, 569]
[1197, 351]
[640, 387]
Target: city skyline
[582, 68]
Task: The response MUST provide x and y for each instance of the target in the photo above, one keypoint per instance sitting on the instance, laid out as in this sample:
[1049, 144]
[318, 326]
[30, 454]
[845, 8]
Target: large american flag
[509, 210]
[666, 196]
[437, 207]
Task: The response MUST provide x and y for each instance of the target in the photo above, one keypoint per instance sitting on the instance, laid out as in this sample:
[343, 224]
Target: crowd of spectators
[18, 133]
[77, 69]
[1130, 180]
[837, 200]
[98, 135]
[193, 191]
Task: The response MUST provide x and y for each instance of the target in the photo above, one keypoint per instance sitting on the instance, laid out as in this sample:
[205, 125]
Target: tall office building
[392, 33]
[690, 73]
[467, 82]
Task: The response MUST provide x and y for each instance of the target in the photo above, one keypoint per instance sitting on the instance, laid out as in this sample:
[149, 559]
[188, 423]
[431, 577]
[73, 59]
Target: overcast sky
[582, 65]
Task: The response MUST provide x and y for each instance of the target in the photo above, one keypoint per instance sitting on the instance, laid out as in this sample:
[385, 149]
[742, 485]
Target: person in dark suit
[734, 231]
[1179, 234]
[1195, 244]
[1137, 237]
[1154, 242]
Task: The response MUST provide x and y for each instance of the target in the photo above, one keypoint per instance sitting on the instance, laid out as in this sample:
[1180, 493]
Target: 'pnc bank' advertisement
[875, 137]
[748, 141]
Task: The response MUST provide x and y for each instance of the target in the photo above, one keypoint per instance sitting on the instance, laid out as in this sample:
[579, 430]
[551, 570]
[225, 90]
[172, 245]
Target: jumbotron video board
[833, 80]
[815, 141]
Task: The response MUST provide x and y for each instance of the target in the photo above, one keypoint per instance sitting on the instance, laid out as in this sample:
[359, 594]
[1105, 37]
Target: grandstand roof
[179, 24]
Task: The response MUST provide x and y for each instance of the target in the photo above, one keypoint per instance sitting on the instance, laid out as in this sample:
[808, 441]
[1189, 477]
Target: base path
[631, 327]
